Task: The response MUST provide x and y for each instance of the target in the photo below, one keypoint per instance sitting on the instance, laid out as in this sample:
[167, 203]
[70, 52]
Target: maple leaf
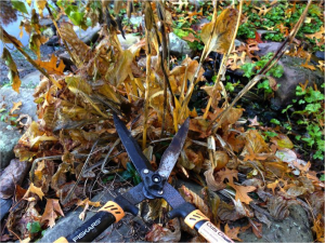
[51, 65]
[229, 174]
[232, 233]
[52, 211]
[241, 192]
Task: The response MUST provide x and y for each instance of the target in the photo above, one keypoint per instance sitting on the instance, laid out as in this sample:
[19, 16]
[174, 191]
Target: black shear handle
[110, 213]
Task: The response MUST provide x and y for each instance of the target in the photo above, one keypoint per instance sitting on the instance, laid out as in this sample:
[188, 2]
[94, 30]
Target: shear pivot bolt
[145, 171]
[161, 192]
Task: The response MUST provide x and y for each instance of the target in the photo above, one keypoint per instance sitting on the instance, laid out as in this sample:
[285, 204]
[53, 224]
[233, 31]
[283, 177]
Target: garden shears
[154, 185]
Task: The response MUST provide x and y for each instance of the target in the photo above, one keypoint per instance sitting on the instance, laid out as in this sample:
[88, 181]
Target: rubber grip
[212, 234]
[92, 227]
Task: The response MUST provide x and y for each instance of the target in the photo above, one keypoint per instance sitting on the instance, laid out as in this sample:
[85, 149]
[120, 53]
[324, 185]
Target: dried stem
[29, 59]
[261, 74]
[59, 32]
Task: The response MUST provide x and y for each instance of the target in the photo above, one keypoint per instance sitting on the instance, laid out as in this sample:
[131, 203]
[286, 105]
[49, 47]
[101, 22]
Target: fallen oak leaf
[51, 67]
[232, 233]
[34, 189]
[86, 203]
[241, 192]
[16, 106]
[228, 174]
[52, 211]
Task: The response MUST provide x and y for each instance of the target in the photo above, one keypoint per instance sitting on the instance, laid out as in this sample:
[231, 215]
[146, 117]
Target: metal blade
[132, 147]
[170, 156]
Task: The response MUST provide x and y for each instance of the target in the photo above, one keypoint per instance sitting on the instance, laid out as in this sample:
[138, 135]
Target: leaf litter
[221, 154]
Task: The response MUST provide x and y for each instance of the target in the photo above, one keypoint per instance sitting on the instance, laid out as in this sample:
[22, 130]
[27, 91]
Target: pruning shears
[154, 185]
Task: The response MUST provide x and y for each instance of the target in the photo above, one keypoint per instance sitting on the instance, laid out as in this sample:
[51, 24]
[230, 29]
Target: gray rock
[5, 205]
[294, 74]
[45, 22]
[177, 46]
[197, 3]
[129, 40]
[294, 228]
[31, 80]
[89, 35]
[48, 32]
[136, 20]
[9, 136]
[120, 232]
[268, 47]
[320, 55]
[8, 96]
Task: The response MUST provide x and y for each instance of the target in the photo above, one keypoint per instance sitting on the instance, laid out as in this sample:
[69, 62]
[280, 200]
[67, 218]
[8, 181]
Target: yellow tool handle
[111, 212]
[210, 232]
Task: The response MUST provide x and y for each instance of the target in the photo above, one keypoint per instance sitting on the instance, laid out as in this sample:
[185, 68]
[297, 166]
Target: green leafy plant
[34, 227]
[312, 102]
[131, 173]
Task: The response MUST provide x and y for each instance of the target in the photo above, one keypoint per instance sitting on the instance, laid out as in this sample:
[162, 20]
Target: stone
[136, 20]
[120, 232]
[45, 22]
[178, 47]
[197, 3]
[31, 80]
[294, 74]
[89, 35]
[9, 135]
[8, 140]
[129, 40]
[8, 96]
[294, 228]
[49, 32]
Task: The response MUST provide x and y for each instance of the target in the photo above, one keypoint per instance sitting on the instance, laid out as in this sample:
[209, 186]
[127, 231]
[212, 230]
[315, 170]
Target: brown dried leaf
[80, 49]
[16, 106]
[278, 207]
[282, 141]
[37, 190]
[228, 211]
[195, 199]
[224, 27]
[228, 174]
[214, 182]
[52, 211]
[232, 233]
[171, 233]
[51, 65]
[241, 192]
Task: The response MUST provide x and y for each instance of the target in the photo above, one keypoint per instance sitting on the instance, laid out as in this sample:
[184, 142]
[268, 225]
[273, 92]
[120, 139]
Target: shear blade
[170, 156]
[132, 147]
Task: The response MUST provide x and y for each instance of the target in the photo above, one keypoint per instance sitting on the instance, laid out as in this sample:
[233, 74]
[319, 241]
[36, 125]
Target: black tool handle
[111, 212]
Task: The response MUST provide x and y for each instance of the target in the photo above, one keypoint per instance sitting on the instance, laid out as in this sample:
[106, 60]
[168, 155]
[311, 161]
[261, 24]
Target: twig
[31, 173]
[261, 74]
[59, 32]
[29, 59]
[107, 156]
[80, 175]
